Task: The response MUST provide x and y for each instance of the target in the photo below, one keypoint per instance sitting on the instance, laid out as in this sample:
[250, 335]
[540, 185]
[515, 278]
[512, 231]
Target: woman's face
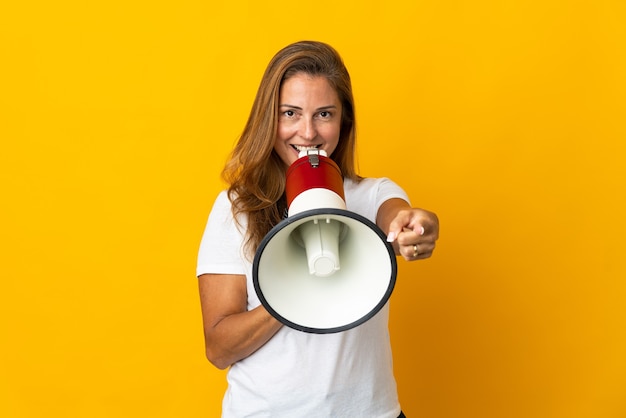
[309, 116]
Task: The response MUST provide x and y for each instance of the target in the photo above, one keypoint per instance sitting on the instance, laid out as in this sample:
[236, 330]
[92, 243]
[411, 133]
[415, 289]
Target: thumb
[401, 223]
[396, 226]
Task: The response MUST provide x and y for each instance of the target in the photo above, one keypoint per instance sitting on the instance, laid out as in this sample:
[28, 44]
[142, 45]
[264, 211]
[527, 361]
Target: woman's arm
[412, 232]
[231, 332]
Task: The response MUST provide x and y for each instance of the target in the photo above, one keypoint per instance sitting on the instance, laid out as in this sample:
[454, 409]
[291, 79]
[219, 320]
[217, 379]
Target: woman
[304, 101]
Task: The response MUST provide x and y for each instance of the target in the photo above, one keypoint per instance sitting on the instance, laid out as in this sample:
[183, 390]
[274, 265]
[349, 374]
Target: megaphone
[323, 269]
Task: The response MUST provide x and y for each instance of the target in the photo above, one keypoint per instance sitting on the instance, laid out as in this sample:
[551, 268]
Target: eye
[325, 114]
[289, 113]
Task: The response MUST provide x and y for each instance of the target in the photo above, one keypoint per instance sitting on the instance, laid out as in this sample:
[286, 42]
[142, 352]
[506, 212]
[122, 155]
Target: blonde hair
[255, 173]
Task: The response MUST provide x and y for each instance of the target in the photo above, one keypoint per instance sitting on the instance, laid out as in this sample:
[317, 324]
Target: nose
[307, 129]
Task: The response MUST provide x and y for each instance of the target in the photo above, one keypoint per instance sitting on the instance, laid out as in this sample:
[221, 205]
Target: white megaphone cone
[323, 269]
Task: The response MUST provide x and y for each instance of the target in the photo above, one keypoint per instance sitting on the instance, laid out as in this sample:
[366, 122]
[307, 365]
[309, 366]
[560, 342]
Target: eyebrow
[299, 108]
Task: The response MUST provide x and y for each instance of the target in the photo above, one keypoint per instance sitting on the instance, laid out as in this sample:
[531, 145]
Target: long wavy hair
[255, 173]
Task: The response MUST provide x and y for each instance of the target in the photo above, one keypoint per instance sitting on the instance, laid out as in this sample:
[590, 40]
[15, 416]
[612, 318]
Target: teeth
[301, 148]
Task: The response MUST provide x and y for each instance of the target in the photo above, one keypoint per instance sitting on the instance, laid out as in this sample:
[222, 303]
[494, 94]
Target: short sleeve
[221, 245]
[366, 196]
[387, 189]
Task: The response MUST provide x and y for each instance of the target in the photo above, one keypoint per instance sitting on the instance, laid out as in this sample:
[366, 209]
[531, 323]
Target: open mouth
[303, 148]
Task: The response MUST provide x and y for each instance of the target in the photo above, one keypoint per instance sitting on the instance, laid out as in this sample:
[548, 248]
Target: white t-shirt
[297, 374]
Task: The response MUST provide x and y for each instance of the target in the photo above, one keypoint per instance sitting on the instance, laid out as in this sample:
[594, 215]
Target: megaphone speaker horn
[324, 269]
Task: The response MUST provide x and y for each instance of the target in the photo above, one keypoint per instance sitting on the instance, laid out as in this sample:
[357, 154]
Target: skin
[310, 116]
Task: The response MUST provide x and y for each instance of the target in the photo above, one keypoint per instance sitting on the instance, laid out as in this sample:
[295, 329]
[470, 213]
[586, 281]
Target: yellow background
[507, 118]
